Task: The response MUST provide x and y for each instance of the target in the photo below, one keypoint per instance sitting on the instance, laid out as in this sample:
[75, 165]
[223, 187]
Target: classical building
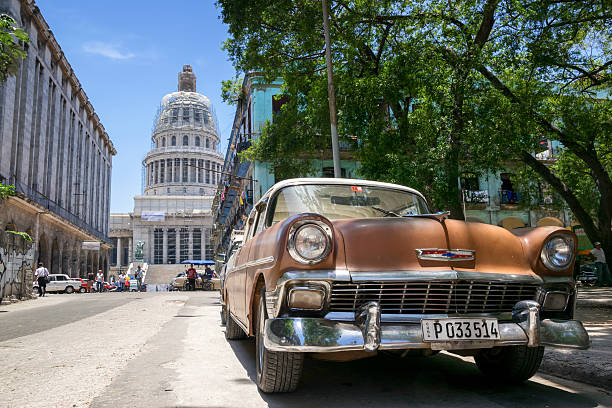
[171, 221]
[55, 151]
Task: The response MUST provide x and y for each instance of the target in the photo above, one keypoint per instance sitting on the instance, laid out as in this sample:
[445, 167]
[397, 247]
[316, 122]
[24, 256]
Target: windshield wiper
[385, 211]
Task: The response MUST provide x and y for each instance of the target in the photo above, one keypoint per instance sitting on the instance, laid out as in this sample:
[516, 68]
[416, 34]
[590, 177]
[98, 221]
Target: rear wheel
[277, 371]
[223, 319]
[514, 364]
[82, 290]
[232, 330]
[69, 289]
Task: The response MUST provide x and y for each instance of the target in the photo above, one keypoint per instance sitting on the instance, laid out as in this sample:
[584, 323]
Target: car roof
[337, 181]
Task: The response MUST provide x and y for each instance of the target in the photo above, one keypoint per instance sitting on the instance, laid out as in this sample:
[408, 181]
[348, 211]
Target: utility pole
[331, 94]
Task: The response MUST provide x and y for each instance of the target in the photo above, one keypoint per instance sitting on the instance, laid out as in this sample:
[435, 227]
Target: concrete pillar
[203, 243]
[165, 245]
[119, 249]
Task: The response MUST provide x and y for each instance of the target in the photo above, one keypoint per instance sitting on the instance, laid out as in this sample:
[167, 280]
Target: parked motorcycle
[587, 275]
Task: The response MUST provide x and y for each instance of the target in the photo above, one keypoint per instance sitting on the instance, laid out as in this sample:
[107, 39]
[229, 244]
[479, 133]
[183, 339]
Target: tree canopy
[433, 89]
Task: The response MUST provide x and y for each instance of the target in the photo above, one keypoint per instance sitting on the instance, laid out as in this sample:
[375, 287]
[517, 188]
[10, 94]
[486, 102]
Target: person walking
[139, 273]
[41, 275]
[100, 281]
[603, 273]
[121, 282]
[90, 281]
[191, 276]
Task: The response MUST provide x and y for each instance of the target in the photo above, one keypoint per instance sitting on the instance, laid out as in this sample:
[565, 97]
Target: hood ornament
[437, 254]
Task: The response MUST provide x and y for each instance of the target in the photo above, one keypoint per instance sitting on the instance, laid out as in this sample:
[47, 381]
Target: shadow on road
[386, 381]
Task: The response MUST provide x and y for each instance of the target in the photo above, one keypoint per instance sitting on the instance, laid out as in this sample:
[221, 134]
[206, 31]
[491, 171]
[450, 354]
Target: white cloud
[107, 50]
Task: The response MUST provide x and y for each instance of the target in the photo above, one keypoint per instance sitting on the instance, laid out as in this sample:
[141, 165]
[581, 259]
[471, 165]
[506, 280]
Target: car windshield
[344, 201]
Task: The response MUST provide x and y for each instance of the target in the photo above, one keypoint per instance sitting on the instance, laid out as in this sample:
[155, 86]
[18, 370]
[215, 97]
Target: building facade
[171, 221]
[55, 151]
[243, 183]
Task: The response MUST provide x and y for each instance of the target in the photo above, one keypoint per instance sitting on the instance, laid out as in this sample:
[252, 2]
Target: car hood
[391, 244]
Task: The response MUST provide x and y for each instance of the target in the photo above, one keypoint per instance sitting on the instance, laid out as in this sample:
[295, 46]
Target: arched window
[207, 143]
[197, 141]
[163, 142]
[173, 140]
[185, 140]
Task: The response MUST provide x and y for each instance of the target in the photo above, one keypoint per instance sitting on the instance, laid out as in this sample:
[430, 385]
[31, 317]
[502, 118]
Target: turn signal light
[555, 301]
[306, 298]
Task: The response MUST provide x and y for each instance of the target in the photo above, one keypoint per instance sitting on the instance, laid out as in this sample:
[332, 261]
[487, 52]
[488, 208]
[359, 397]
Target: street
[168, 349]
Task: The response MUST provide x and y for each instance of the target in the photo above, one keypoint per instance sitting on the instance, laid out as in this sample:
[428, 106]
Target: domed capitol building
[171, 221]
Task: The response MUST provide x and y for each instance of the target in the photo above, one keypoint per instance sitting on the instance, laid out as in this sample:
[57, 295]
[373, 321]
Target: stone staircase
[162, 274]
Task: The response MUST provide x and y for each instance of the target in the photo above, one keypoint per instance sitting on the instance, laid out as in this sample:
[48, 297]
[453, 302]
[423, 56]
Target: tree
[435, 88]
[11, 46]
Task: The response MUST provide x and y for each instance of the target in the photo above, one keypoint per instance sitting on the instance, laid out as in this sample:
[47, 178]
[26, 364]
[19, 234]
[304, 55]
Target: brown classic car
[343, 268]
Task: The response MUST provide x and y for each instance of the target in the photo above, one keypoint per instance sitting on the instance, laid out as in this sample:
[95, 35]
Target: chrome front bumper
[305, 334]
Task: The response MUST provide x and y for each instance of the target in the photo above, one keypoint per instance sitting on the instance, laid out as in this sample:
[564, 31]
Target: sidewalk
[592, 366]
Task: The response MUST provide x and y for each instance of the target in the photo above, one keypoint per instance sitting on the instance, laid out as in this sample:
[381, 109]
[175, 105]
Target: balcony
[509, 197]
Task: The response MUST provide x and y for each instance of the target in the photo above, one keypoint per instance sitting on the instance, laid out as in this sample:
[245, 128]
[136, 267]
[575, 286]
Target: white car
[61, 283]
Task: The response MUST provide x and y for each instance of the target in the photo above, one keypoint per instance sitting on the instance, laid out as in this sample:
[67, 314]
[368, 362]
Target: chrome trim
[415, 318]
[545, 258]
[558, 279]
[321, 335]
[275, 297]
[296, 227]
[471, 254]
[368, 320]
[408, 275]
[257, 262]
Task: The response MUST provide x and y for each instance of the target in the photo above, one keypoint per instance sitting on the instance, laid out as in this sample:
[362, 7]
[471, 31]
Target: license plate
[459, 329]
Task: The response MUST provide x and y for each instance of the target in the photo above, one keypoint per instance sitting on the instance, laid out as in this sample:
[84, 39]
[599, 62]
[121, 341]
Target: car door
[60, 282]
[236, 277]
[52, 284]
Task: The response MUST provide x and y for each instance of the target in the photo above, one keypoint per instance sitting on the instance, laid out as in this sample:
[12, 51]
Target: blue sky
[127, 55]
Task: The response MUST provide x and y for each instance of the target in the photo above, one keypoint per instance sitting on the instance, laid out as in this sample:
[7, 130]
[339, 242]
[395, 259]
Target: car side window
[60, 278]
[256, 224]
[51, 278]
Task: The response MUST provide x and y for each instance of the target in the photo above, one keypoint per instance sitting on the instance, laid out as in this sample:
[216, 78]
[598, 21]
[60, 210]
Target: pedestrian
[100, 281]
[121, 282]
[603, 273]
[90, 281]
[191, 277]
[41, 275]
[139, 277]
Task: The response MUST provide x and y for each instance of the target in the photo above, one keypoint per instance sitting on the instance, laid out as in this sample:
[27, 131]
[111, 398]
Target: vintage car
[229, 261]
[345, 268]
[59, 282]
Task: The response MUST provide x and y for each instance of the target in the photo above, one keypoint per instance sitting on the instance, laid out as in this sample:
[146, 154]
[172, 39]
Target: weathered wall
[16, 267]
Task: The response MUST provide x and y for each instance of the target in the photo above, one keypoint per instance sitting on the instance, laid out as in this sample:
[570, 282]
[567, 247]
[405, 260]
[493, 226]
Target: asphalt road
[59, 309]
[168, 349]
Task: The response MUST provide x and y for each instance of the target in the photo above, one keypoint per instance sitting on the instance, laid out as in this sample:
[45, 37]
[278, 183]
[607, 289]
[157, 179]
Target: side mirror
[221, 257]
[261, 206]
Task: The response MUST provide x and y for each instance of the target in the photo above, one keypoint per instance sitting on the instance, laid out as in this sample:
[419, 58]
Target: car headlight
[310, 242]
[558, 252]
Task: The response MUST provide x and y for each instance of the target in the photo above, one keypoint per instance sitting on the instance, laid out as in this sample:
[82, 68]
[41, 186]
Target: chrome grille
[432, 297]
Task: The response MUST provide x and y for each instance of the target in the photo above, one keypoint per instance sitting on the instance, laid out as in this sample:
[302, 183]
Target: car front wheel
[82, 290]
[277, 371]
[69, 289]
[513, 364]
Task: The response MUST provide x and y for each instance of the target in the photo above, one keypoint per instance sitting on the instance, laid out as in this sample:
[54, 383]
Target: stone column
[178, 245]
[165, 246]
[203, 243]
[130, 249]
[119, 249]
[190, 243]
